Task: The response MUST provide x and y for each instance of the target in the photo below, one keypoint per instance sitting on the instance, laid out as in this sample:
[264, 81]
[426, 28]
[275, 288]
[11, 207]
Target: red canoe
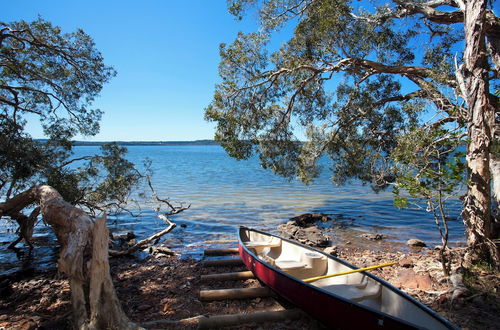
[355, 301]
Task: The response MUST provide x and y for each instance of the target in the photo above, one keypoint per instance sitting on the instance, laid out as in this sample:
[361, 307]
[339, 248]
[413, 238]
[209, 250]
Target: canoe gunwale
[389, 286]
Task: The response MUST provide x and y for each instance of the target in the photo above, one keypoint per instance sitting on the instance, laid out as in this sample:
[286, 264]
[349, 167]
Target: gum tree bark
[481, 119]
[83, 257]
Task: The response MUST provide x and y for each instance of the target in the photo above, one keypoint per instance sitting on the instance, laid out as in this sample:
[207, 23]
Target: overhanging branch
[429, 11]
[407, 97]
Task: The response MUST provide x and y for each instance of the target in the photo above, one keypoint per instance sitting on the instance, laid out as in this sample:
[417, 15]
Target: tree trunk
[477, 204]
[105, 308]
[83, 244]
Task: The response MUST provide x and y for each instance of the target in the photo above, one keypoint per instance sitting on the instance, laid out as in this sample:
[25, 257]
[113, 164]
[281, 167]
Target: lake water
[225, 193]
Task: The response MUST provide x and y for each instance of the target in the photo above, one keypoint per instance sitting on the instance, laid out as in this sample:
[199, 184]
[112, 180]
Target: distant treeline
[144, 143]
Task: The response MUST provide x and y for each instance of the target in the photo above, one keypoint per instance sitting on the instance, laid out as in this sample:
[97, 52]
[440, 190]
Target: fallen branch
[148, 240]
[458, 287]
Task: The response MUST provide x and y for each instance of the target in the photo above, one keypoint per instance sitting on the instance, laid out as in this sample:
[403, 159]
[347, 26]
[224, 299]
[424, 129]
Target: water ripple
[225, 193]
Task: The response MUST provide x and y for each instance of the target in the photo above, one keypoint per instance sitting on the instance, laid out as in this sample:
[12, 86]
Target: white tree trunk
[477, 205]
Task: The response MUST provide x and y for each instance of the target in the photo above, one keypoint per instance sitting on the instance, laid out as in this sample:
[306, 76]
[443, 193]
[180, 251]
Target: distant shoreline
[145, 143]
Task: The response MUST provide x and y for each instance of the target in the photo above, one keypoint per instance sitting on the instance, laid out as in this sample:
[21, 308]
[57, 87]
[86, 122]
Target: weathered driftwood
[223, 262]
[240, 293]
[219, 321]
[105, 308]
[220, 252]
[227, 276]
[83, 257]
[457, 286]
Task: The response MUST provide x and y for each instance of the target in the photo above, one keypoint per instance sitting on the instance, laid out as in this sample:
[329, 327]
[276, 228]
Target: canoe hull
[332, 310]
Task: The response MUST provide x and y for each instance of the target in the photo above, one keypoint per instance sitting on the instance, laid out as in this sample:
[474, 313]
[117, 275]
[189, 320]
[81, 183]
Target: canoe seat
[290, 264]
[310, 264]
[293, 267]
[352, 291]
[262, 247]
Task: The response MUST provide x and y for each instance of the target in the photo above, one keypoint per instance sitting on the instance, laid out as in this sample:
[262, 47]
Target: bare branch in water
[173, 209]
[147, 240]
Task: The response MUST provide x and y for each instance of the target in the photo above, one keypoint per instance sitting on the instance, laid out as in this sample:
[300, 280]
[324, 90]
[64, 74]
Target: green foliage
[55, 77]
[430, 169]
[429, 163]
[20, 156]
[117, 175]
[338, 82]
[370, 85]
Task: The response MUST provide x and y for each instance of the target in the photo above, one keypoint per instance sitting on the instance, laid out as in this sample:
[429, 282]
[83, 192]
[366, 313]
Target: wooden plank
[220, 252]
[227, 276]
[223, 262]
[218, 321]
[239, 293]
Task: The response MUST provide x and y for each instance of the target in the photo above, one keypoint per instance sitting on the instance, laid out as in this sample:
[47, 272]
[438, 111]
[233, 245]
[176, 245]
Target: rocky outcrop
[303, 230]
[307, 219]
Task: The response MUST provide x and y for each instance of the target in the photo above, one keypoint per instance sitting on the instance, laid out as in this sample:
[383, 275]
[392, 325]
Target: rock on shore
[415, 243]
[303, 229]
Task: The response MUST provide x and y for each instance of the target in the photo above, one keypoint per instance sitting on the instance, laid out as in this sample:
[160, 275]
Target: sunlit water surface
[225, 193]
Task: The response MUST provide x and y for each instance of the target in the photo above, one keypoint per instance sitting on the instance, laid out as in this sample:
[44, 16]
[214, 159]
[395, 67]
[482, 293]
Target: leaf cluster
[431, 165]
[54, 77]
[338, 86]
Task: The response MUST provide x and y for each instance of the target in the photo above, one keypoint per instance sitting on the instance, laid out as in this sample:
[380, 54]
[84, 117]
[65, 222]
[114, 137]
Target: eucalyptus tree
[383, 88]
[53, 78]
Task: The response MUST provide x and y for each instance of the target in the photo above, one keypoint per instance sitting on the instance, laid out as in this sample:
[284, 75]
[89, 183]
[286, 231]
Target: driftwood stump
[83, 257]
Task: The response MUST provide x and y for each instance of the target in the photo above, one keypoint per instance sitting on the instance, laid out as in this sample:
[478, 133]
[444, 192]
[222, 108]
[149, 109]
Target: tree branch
[353, 65]
[427, 9]
[409, 96]
[294, 10]
[66, 163]
[407, 8]
[439, 99]
[147, 240]
[174, 210]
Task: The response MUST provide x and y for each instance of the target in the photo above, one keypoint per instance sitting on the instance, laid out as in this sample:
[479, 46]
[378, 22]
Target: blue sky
[165, 52]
